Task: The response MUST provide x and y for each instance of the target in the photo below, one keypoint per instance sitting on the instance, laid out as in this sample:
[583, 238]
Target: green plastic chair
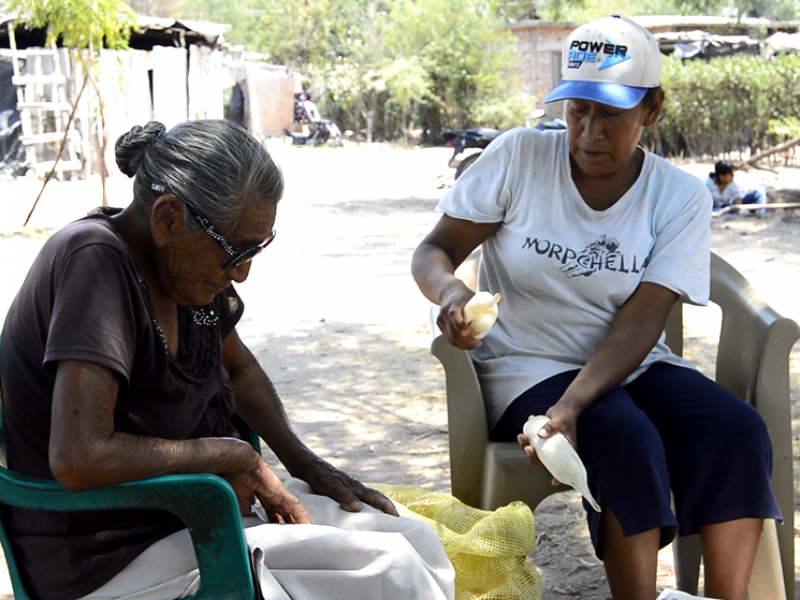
[205, 503]
[752, 362]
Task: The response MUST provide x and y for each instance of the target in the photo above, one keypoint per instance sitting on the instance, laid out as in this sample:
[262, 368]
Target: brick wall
[540, 45]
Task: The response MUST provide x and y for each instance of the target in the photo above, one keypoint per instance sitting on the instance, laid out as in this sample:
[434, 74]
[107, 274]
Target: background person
[726, 192]
[120, 361]
[591, 240]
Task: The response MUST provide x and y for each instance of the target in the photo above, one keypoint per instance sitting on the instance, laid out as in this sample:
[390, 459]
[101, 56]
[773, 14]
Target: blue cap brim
[612, 94]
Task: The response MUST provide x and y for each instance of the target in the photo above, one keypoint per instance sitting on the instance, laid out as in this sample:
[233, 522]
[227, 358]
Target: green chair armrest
[247, 434]
[205, 503]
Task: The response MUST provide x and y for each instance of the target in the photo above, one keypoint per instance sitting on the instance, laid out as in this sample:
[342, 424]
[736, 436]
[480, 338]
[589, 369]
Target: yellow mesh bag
[488, 549]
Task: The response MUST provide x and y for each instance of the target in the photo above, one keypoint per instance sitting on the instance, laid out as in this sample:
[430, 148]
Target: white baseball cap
[611, 60]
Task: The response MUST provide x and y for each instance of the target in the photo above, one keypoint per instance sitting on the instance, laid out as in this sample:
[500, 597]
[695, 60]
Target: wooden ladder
[44, 119]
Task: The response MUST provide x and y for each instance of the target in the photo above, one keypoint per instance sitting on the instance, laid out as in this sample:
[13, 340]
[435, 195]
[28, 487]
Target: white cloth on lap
[342, 555]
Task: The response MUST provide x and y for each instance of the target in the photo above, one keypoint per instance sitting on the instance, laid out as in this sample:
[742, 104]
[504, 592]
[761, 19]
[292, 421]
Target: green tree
[550, 10]
[512, 11]
[460, 54]
[729, 104]
[406, 81]
[347, 62]
[81, 24]
[240, 15]
[470, 59]
[296, 33]
[174, 9]
[774, 9]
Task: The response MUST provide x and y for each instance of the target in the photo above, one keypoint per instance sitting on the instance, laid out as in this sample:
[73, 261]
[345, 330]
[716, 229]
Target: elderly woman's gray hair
[213, 164]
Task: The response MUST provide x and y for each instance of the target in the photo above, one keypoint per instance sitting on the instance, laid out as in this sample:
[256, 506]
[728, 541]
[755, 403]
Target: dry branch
[768, 152]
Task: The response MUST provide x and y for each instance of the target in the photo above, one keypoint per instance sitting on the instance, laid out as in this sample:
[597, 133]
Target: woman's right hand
[530, 452]
[451, 316]
[262, 483]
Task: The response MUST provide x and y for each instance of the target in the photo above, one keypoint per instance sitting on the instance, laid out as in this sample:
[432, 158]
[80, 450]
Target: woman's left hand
[563, 418]
[350, 493]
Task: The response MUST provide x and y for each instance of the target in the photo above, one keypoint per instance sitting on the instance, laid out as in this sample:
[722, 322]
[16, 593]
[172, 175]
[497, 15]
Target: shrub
[731, 104]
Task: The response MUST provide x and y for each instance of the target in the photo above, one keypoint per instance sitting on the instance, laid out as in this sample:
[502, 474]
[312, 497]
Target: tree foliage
[772, 9]
[175, 9]
[381, 66]
[407, 82]
[87, 26]
[730, 104]
[469, 59]
[295, 32]
[389, 63]
[512, 11]
[79, 23]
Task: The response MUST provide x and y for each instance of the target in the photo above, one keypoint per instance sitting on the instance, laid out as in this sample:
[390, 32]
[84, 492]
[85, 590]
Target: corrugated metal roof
[205, 28]
[163, 31]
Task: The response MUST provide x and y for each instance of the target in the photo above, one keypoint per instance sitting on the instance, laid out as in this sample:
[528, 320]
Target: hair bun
[131, 147]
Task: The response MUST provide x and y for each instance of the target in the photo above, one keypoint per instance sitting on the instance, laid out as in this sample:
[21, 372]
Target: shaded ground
[333, 315]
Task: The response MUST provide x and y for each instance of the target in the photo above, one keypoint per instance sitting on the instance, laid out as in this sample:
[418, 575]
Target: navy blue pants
[670, 429]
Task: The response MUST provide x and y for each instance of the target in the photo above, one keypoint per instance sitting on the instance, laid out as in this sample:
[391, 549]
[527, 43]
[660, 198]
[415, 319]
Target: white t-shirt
[565, 269]
[725, 197]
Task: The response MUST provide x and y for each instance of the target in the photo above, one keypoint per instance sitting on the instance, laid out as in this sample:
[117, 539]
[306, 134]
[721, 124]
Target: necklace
[202, 316]
[143, 286]
[201, 342]
[206, 317]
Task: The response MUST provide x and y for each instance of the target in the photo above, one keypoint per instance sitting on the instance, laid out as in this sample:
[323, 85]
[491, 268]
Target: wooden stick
[752, 207]
[58, 154]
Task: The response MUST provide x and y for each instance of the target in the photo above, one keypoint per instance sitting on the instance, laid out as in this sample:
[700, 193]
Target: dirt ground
[335, 318]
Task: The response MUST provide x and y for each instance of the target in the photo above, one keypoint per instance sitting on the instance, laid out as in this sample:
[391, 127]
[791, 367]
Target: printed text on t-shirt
[602, 254]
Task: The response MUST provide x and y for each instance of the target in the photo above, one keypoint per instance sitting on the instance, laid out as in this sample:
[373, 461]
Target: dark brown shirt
[85, 299]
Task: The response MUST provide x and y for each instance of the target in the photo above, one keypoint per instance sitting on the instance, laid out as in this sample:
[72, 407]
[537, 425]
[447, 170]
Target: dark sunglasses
[238, 257]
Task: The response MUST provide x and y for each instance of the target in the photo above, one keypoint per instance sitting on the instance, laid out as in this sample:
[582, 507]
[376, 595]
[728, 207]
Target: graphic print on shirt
[603, 254]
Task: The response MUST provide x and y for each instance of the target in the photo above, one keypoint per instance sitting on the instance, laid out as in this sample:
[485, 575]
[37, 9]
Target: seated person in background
[120, 361]
[726, 192]
[591, 240]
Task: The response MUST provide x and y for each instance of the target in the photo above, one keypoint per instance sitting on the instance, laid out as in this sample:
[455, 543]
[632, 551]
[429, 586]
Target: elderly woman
[591, 240]
[120, 361]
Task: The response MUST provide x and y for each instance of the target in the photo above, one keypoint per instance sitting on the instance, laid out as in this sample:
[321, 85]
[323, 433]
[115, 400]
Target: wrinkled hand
[327, 480]
[277, 501]
[451, 317]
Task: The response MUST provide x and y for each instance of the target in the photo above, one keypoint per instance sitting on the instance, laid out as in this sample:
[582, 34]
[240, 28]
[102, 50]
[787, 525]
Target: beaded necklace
[205, 317]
